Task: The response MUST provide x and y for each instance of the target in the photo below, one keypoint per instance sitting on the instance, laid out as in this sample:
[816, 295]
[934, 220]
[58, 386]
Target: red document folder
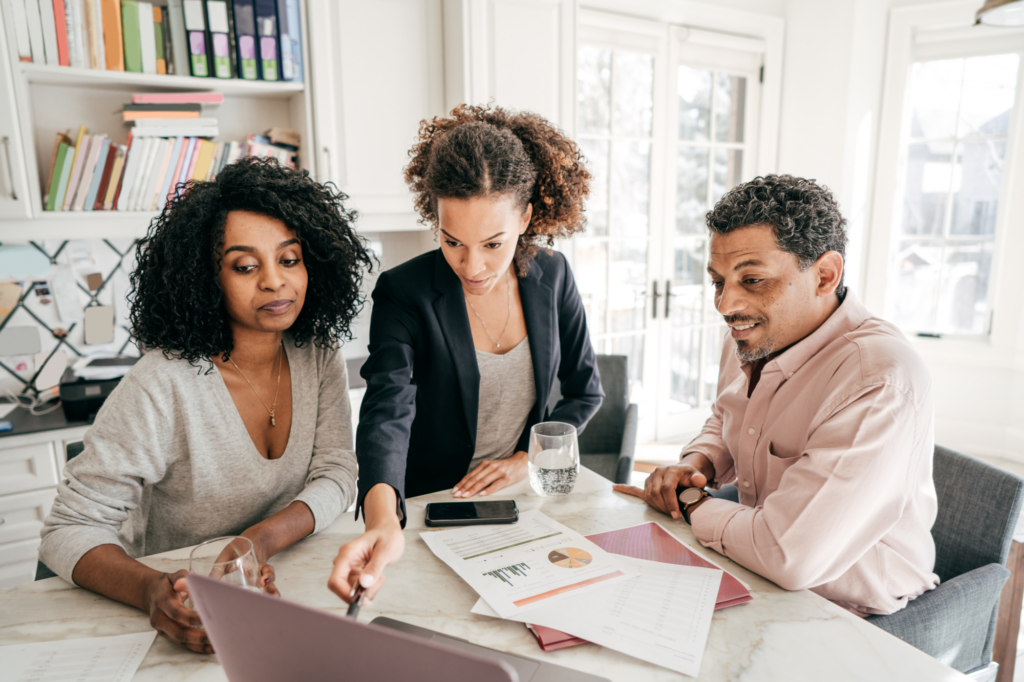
[651, 542]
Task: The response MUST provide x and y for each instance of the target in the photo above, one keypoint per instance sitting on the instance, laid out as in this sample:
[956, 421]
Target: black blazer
[417, 423]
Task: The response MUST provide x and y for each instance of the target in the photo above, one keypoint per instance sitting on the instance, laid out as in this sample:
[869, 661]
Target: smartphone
[471, 513]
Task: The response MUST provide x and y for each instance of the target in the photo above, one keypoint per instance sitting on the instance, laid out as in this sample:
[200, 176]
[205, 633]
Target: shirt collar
[850, 315]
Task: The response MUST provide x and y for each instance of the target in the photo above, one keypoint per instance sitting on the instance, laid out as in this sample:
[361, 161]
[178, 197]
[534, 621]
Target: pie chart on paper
[569, 557]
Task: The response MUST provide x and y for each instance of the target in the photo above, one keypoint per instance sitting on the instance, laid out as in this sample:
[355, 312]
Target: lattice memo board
[103, 264]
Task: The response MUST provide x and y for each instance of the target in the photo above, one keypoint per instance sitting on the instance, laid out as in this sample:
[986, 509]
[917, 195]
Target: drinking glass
[230, 558]
[554, 459]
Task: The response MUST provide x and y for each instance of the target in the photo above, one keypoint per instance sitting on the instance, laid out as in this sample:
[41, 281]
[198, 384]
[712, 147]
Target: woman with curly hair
[467, 341]
[236, 422]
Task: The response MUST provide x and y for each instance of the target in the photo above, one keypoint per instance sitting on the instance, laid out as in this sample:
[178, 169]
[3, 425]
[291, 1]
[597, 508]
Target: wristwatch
[690, 498]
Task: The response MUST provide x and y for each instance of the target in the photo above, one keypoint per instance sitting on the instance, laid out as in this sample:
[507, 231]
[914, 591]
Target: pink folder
[651, 542]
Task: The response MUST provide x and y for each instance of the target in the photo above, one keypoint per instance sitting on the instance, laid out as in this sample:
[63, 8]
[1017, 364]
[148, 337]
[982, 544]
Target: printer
[86, 384]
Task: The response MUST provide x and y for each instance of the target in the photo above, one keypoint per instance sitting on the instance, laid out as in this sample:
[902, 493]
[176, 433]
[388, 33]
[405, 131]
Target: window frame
[925, 34]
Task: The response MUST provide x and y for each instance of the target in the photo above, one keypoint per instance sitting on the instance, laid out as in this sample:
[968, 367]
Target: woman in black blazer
[467, 341]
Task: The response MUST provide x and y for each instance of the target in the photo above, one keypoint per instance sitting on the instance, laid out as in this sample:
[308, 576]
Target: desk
[781, 635]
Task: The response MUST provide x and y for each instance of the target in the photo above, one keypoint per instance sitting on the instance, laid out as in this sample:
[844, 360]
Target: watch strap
[704, 494]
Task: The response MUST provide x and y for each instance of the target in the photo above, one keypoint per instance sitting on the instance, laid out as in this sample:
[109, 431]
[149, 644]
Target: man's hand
[492, 475]
[694, 471]
[170, 617]
[363, 561]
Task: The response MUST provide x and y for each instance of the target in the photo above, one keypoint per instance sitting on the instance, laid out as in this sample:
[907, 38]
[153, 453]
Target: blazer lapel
[450, 309]
[542, 330]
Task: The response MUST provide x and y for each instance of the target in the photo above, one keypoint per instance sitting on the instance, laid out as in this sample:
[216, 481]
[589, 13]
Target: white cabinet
[14, 201]
[379, 73]
[27, 467]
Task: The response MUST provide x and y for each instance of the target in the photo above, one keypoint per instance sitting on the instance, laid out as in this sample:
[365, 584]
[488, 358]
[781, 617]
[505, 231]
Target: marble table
[780, 635]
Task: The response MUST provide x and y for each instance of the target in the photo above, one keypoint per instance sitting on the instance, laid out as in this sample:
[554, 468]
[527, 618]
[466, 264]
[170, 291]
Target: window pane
[989, 88]
[596, 154]
[591, 273]
[692, 189]
[728, 167]
[630, 188]
[730, 103]
[964, 291]
[917, 281]
[934, 97]
[593, 91]
[684, 393]
[713, 338]
[977, 201]
[627, 298]
[930, 177]
[634, 94]
[694, 86]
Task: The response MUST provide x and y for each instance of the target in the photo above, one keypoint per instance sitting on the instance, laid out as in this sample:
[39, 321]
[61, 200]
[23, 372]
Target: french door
[667, 119]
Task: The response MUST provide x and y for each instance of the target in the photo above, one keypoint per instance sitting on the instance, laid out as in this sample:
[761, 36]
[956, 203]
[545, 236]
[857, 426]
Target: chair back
[74, 449]
[979, 506]
[604, 431]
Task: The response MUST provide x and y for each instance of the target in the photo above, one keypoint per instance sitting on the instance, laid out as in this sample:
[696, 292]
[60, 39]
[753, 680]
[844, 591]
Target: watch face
[690, 495]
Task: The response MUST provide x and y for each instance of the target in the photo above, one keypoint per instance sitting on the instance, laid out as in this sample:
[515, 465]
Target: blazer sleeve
[389, 404]
[580, 381]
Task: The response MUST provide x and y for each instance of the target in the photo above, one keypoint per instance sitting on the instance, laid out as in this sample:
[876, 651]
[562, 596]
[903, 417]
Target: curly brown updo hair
[490, 151]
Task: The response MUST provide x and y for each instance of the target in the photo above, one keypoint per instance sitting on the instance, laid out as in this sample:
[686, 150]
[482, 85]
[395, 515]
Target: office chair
[72, 450]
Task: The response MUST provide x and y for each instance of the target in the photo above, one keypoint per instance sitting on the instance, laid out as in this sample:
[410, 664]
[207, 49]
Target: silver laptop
[259, 638]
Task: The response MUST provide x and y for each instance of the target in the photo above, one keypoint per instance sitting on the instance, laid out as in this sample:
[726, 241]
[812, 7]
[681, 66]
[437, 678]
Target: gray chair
[978, 510]
[608, 443]
[72, 450]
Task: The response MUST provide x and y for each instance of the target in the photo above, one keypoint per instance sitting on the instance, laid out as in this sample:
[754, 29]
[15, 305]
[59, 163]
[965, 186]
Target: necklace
[497, 343]
[273, 406]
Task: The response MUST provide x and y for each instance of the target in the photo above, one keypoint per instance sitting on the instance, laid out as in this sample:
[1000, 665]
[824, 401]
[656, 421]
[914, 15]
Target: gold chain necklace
[508, 285]
[273, 405]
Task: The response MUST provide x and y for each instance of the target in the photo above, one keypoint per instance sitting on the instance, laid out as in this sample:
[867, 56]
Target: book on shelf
[113, 41]
[147, 37]
[206, 98]
[113, 181]
[290, 29]
[35, 29]
[219, 29]
[132, 40]
[266, 29]
[93, 22]
[49, 25]
[195, 31]
[99, 165]
[60, 24]
[104, 185]
[158, 40]
[185, 110]
[22, 42]
[245, 39]
[178, 38]
[65, 176]
[61, 137]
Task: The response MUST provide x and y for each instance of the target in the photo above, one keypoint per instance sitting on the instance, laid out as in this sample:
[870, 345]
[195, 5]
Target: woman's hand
[164, 597]
[492, 475]
[363, 560]
[267, 580]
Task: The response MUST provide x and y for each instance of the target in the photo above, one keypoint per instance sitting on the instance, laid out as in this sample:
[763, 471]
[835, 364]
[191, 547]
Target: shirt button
[746, 484]
[751, 430]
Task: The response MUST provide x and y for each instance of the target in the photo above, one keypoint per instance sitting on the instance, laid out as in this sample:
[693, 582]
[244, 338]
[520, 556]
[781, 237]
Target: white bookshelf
[65, 75]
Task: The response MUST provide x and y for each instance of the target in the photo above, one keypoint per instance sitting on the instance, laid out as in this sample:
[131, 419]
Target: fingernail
[366, 579]
[675, 515]
[483, 493]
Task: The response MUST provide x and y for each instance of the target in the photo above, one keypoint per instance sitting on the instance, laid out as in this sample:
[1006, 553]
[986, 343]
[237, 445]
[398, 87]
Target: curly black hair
[803, 215]
[485, 151]
[176, 298]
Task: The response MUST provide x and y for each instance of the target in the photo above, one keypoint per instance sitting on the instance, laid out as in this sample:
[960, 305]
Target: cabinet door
[18, 563]
[520, 54]
[378, 73]
[28, 467]
[14, 194]
[22, 515]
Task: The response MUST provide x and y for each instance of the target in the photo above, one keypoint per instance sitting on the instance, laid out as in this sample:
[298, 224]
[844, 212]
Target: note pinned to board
[66, 294]
[50, 374]
[99, 324]
[20, 341]
[10, 294]
[23, 262]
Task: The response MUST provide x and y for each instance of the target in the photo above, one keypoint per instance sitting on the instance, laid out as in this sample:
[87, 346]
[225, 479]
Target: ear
[527, 216]
[829, 270]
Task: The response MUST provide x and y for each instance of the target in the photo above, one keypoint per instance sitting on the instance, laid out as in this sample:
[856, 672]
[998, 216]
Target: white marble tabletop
[780, 635]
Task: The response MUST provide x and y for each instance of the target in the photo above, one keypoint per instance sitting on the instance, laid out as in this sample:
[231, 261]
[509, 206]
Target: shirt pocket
[779, 460]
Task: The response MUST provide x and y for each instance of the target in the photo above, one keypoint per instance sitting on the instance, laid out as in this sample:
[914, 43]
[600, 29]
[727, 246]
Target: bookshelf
[39, 100]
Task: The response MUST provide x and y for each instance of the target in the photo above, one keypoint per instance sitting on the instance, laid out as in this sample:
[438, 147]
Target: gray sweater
[168, 462]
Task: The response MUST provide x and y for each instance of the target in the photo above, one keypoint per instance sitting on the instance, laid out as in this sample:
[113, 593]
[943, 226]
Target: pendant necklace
[497, 343]
[273, 405]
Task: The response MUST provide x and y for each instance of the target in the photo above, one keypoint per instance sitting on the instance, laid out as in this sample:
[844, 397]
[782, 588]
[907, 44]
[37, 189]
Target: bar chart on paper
[507, 573]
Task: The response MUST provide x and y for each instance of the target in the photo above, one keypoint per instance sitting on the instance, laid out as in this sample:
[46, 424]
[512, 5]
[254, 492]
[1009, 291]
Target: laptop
[260, 638]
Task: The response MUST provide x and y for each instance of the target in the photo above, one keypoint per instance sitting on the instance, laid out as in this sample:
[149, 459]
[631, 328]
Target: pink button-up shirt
[832, 456]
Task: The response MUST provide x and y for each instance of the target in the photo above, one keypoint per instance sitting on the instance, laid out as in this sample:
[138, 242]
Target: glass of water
[230, 558]
[554, 460]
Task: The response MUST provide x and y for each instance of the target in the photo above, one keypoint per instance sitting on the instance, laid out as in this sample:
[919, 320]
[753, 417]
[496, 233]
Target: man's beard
[744, 350]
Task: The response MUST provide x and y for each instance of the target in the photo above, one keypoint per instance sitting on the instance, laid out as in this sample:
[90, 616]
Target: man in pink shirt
[823, 419]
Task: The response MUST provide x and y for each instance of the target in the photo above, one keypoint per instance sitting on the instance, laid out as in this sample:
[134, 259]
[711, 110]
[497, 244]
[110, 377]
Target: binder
[131, 37]
[290, 27]
[147, 37]
[35, 29]
[266, 30]
[61, 26]
[220, 45]
[113, 40]
[55, 177]
[101, 189]
[48, 18]
[97, 175]
[245, 39]
[158, 40]
[195, 30]
[179, 39]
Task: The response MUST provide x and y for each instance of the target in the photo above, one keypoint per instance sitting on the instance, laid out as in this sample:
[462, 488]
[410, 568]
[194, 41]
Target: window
[955, 144]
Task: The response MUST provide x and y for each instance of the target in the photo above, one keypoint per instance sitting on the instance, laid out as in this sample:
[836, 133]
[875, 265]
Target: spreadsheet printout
[662, 615]
[514, 567]
[94, 659]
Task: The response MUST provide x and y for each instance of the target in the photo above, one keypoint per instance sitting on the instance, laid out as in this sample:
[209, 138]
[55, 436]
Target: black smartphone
[471, 513]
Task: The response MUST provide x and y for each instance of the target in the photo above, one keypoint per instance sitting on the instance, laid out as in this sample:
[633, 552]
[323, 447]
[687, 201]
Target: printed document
[663, 615]
[95, 659]
[518, 566]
